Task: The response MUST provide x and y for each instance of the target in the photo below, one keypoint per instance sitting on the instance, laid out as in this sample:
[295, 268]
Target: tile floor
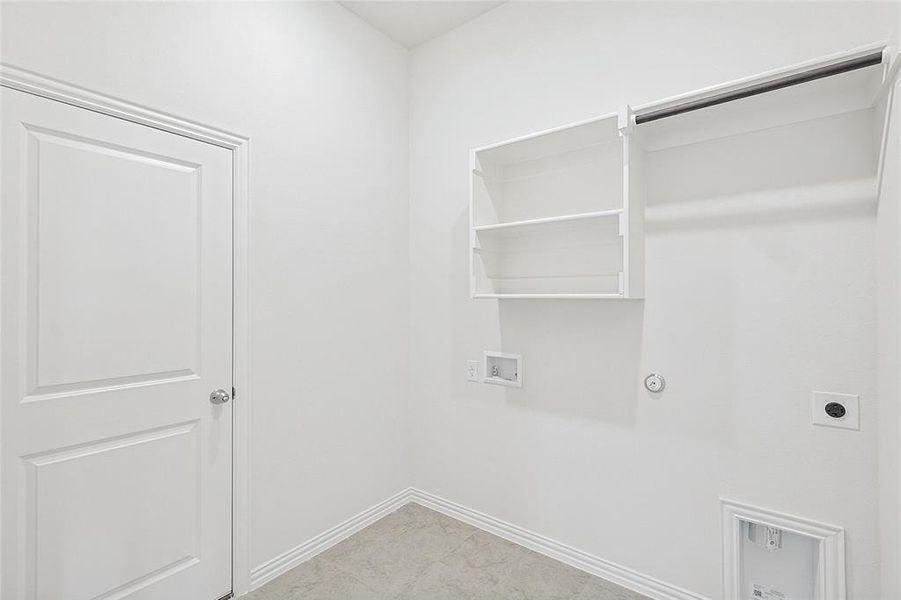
[418, 554]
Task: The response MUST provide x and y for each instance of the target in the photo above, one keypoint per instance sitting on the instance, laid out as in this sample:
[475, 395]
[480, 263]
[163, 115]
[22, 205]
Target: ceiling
[412, 22]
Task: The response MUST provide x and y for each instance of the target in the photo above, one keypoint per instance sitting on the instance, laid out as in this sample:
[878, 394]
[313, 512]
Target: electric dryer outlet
[836, 410]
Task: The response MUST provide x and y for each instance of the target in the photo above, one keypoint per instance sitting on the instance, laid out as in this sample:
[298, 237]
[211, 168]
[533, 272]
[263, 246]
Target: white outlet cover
[472, 370]
[851, 402]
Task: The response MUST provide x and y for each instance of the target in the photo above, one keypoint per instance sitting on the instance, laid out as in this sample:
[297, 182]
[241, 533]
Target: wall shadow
[580, 357]
[765, 177]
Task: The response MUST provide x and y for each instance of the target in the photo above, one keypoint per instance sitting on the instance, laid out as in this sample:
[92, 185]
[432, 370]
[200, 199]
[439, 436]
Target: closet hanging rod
[851, 64]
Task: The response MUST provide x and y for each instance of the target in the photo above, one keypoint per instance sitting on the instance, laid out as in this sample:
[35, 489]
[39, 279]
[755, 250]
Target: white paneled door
[116, 322]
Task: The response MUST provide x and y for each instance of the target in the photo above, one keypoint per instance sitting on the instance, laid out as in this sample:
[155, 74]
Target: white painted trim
[283, 563]
[557, 296]
[241, 370]
[886, 95]
[54, 89]
[885, 128]
[598, 214]
[550, 131]
[473, 164]
[892, 62]
[620, 575]
[831, 538]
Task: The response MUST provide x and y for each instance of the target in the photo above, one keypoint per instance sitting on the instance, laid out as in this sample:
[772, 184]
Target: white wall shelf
[560, 219]
[550, 215]
[560, 213]
[550, 296]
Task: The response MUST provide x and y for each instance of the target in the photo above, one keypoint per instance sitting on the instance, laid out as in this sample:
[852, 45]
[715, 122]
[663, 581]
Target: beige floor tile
[600, 589]
[442, 582]
[419, 554]
[382, 531]
[484, 557]
[432, 541]
[540, 578]
[447, 524]
[315, 580]
[388, 567]
[363, 542]
[396, 523]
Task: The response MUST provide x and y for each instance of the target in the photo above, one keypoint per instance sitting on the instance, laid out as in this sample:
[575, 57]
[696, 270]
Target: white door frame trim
[239, 145]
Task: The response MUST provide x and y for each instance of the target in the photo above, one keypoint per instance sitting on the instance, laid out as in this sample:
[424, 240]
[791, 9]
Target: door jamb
[239, 145]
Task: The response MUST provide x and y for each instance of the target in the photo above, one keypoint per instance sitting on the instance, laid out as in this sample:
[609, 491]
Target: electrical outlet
[836, 410]
[472, 370]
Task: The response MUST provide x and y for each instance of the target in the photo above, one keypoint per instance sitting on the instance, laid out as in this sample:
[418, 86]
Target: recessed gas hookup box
[501, 368]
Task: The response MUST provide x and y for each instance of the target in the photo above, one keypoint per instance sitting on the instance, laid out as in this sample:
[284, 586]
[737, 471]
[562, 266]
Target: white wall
[889, 364]
[744, 316]
[323, 98]
[580, 454]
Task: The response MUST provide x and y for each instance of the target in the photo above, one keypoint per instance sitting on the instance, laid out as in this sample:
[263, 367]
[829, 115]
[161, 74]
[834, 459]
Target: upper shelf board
[574, 296]
[818, 98]
[601, 130]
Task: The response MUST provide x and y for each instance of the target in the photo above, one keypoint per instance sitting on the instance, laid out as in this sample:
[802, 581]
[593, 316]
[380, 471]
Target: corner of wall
[889, 356]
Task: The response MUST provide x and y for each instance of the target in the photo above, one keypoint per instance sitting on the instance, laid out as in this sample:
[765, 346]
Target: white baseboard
[643, 584]
[627, 578]
[283, 563]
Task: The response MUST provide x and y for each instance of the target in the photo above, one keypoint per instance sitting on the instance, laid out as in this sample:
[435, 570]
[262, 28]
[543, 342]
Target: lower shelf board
[555, 296]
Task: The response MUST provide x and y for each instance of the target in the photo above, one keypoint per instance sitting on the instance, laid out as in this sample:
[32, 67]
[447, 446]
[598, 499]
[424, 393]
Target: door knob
[219, 397]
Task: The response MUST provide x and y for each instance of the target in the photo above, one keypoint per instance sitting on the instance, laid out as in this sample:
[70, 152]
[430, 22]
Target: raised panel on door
[151, 517]
[115, 310]
[141, 209]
